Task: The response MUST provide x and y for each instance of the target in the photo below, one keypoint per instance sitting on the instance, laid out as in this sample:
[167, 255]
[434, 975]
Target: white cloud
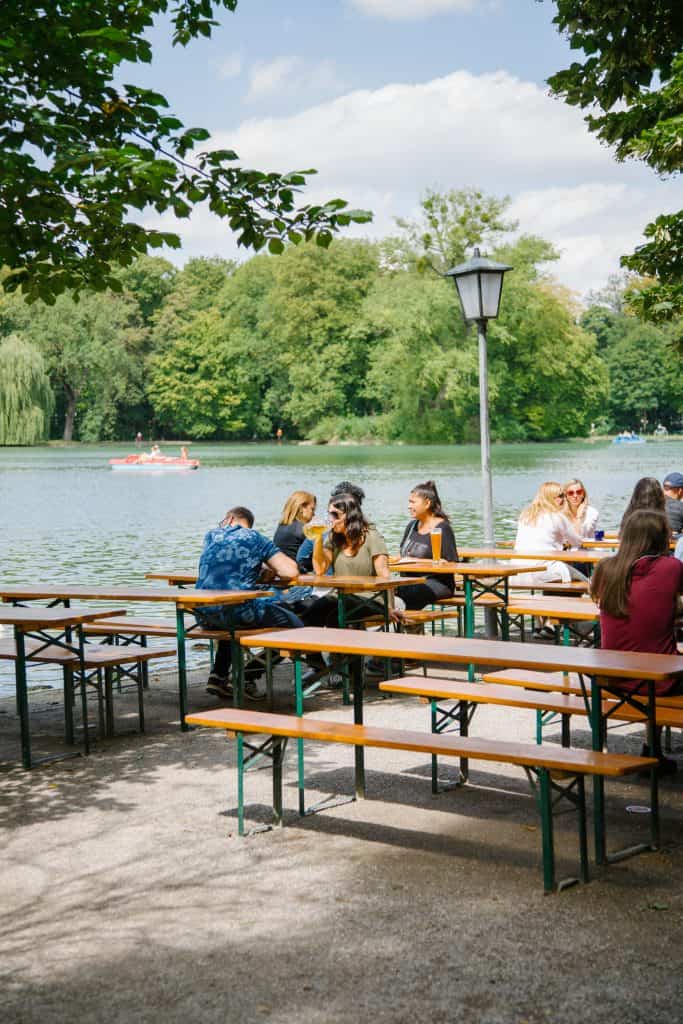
[380, 149]
[230, 66]
[404, 10]
[294, 75]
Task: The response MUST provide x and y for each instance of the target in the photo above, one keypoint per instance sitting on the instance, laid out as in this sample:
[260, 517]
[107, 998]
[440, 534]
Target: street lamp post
[479, 283]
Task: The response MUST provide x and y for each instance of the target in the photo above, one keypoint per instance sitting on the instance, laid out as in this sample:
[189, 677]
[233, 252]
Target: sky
[387, 98]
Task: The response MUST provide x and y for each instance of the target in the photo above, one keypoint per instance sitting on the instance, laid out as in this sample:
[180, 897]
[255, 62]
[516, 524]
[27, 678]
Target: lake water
[66, 517]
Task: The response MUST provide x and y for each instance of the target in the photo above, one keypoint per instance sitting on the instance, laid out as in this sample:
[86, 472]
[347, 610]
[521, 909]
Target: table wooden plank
[575, 609]
[51, 618]
[185, 598]
[458, 650]
[578, 555]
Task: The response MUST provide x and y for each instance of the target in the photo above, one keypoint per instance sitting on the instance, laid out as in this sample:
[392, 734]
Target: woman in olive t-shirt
[352, 547]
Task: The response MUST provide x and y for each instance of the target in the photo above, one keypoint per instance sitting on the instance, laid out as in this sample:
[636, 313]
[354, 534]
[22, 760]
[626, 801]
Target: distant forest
[361, 341]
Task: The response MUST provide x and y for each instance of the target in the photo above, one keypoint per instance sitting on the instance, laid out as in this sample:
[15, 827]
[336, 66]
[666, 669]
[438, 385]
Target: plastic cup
[435, 538]
[599, 535]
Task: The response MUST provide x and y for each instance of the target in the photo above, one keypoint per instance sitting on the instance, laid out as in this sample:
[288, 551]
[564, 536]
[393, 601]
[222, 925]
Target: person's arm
[284, 566]
[571, 538]
[380, 564]
[322, 556]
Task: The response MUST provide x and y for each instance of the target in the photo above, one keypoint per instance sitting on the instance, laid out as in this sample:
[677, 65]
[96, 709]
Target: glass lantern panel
[491, 286]
[468, 290]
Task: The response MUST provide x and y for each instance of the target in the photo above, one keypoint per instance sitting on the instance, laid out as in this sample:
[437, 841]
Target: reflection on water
[67, 517]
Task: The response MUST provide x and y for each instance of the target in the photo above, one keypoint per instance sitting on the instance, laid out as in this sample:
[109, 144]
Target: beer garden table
[38, 624]
[598, 670]
[183, 600]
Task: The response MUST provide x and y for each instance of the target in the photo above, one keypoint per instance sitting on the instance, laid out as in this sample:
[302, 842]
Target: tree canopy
[631, 82]
[83, 153]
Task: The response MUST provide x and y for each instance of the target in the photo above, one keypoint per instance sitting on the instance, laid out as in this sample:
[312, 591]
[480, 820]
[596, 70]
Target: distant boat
[628, 439]
[154, 463]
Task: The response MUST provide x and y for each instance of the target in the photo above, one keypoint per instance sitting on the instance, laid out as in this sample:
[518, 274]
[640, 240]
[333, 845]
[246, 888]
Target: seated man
[233, 558]
[673, 492]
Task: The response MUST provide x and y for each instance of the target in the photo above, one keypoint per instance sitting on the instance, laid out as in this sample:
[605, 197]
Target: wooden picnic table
[39, 624]
[598, 670]
[566, 610]
[580, 556]
[183, 600]
[479, 579]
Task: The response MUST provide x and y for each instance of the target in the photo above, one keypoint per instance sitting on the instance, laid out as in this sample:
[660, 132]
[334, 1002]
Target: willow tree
[26, 399]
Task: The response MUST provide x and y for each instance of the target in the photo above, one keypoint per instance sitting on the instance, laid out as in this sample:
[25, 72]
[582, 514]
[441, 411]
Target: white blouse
[550, 532]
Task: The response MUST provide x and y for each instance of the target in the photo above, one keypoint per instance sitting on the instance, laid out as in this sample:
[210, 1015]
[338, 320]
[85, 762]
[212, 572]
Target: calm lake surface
[66, 517]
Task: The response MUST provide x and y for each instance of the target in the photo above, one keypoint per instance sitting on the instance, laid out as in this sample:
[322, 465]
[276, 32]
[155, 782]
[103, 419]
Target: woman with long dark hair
[352, 547]
[648, 494]
[427, 517]
[638, 591]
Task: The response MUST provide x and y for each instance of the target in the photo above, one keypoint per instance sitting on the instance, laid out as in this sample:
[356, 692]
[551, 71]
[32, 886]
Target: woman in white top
[582, 516]
[543, 527]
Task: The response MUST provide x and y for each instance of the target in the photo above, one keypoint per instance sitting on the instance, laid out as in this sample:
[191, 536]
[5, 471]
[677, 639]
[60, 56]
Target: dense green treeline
[359, 341]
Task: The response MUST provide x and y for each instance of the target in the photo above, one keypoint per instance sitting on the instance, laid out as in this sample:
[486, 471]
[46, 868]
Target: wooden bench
[559, 701]
[99, 663]
[538, 762]
[557, 682]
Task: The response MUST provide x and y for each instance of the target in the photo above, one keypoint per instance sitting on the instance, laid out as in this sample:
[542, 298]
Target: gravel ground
[128, 896]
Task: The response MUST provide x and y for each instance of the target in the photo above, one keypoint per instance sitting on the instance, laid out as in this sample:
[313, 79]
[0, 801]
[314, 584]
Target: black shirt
[674, 513]
[419, 545]
[288, 537]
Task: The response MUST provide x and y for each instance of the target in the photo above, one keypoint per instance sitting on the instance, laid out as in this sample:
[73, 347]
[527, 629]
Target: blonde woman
[581, 515]
[542, 526]
[299, 509]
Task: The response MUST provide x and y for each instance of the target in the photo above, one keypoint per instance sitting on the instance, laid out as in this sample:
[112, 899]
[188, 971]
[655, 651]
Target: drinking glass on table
[316, 528]
[435, 538]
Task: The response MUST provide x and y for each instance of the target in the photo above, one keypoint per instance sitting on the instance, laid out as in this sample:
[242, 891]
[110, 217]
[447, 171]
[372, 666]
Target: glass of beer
[435, 538]
[314, 529]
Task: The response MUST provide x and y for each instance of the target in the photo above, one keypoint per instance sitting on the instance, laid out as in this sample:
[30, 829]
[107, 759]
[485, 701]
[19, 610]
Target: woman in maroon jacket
[638, 591]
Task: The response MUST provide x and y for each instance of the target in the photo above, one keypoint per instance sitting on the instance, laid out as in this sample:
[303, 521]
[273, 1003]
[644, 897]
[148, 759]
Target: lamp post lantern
[479, 283]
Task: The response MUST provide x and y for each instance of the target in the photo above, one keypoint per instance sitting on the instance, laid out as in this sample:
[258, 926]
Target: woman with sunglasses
[582, 516]
[351, 547]
[542, 526]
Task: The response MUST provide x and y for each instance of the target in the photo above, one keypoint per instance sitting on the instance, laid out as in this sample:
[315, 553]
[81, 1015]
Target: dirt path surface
[128, 896]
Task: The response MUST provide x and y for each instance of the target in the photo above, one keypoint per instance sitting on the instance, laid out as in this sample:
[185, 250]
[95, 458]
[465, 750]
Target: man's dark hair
[345, 487]
[240, 512]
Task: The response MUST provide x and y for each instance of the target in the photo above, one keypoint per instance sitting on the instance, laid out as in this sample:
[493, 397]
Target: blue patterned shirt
[231, 559]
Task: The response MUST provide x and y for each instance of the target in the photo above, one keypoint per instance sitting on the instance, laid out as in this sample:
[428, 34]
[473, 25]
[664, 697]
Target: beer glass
[435, 538]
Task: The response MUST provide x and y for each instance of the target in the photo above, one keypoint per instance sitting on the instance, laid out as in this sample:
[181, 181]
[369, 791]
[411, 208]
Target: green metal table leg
[299, 696]
[357, 678]
[435, 761]
[545, 802]
[240, 783]
[504, 617]
[22, 697]
[84, 693]
[583, 831]
[237, 665]
[598, 780]
[277, 754]
[182, 667]
[469, 620]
